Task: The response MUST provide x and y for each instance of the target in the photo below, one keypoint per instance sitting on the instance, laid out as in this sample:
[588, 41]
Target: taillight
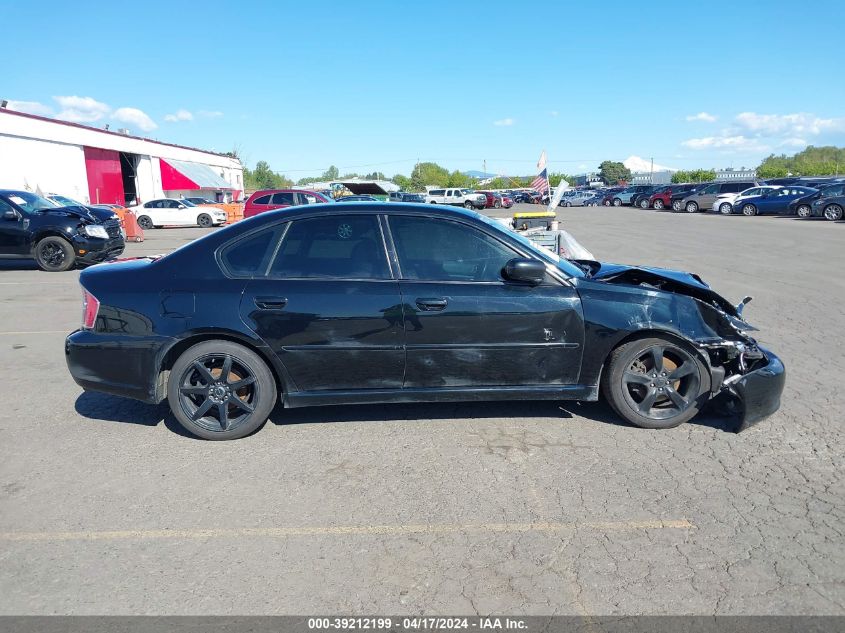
[90, 308]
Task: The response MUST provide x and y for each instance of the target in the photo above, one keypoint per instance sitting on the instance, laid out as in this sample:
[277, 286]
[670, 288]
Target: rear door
[283, 199]
[326, 303]
[465, 326]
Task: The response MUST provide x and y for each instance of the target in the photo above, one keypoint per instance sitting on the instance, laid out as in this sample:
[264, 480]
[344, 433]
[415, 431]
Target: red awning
[179, 174]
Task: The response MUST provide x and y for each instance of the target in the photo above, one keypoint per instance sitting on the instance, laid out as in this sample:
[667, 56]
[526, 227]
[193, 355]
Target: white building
[96, 166]
[735, 174]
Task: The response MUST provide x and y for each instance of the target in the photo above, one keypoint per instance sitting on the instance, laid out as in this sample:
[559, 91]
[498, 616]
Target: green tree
[459, 179]
[694, 175]
[613, 172]
[403, 182]
[263, 177]
[376, 175]
[812, 161]
[429, 174]
[332, 173]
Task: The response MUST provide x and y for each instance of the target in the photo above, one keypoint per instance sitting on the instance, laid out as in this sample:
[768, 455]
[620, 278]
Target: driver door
[14, 236]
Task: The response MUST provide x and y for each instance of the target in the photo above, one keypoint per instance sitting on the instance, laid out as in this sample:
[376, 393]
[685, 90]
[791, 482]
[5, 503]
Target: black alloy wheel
[204, 220]
[655, 383]
[54, 254]
[220, 390]
[145, 222]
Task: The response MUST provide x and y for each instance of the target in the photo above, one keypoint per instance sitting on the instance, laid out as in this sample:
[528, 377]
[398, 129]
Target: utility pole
[651, 174]
[484, 167]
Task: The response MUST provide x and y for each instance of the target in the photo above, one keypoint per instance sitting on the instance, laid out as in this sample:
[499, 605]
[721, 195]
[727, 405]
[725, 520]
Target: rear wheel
[803, 211]
[468, 205]
[617, 202]
[726, 208]
[677, 205]
[833, 212]
[644, 203]
[655, 383]
[54, 254]
[658, 204]
[497, 204]
[749, 210]
[204, 220]
[145, 222]
[606, 203]
[692, 207]
[219, 390]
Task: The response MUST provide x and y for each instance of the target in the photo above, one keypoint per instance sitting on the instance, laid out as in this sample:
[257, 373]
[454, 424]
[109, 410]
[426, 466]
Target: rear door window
[285, 197]
[262, 200]
[333, 247]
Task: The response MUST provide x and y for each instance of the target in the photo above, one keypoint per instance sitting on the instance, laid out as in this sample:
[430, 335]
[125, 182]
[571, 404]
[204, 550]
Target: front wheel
[692, 207]
[617, 202]
[655, 383]
[726, 208]
[658, 204]
[606, 203]
[804, 211]
[468, 205]
[497, 204]
[219, 390]
[677, 205]
[749, 210]
[204, 220]
[833, 212]
[54, 254]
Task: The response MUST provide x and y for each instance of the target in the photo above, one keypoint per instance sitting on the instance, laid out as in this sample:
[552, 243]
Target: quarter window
[440, 250]
[250, 256]
[337, 246]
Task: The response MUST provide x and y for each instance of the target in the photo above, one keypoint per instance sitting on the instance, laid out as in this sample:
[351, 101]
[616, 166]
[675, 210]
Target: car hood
[663, 279]
[90, 214]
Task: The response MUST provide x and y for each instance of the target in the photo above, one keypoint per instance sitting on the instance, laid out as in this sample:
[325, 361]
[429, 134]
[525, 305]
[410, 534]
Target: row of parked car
[804, 197]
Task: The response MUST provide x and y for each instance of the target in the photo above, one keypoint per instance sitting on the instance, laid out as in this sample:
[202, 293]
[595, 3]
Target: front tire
[677, 205]
[833, 212]
[220, 390]
[726, 208]
[804, 211]
[204, 220]
[692, 207]
[497, 205]
[617, 202]
[145, 222]
[749, 210]
[54, 254]
[655, 383]
[469, 205]
[658, 205]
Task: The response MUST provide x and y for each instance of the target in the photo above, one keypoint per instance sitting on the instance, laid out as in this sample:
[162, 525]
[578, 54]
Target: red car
[496, 200]
[662, 198]
[271, 199]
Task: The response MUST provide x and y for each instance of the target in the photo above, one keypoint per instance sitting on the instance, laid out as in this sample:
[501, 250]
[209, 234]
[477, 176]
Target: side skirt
[440, 394]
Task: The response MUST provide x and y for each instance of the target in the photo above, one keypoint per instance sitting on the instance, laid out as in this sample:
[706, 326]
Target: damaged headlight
[95, 230]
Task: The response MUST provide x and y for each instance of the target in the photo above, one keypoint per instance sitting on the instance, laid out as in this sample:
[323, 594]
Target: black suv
[56, 237]
[404, 196]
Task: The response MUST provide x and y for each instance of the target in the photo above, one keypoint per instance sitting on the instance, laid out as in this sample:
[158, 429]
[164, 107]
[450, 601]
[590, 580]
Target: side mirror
[10, 215]
[181, 206]
[531, 271]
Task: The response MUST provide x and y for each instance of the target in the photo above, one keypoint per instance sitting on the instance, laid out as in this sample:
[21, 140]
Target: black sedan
[360, 198]
[382, 303]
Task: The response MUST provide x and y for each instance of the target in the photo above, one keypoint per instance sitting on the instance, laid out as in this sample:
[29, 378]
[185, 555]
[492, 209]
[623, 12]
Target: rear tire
[497, 204]
[145, 222]
[642, 389]
[204, 395]
[677, 205]
[617, 202]
[204, 220]
[54, 254]
[644, 204]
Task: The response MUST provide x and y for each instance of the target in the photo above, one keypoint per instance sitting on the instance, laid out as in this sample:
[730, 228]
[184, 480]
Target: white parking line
[341, 530]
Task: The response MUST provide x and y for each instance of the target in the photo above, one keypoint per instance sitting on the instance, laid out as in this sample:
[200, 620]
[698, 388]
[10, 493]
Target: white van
[457, 197]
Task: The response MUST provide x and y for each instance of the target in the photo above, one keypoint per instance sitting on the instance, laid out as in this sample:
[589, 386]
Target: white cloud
[702, 116]
[81, 109]
[504, 122]
[791, 124]
[794, 142]
[30, 107]
[136, 117]
[641, 165]
[210, 114]
[737, 142]
[179, 115]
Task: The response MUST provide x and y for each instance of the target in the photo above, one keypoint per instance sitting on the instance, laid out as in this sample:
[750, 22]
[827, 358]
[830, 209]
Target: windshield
[564, 265]
[66, 202]
[30, 202]
[187, 202]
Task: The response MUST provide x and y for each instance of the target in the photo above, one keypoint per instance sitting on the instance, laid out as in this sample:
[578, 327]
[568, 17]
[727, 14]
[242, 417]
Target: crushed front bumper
[758, 392]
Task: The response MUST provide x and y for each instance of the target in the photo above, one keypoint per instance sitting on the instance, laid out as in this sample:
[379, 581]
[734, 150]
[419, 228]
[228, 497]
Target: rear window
[262, 200]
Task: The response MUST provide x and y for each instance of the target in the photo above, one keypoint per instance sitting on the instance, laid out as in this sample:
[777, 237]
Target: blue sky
[378, 85]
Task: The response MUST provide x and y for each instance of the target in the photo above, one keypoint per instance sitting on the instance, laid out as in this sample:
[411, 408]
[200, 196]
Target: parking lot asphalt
[526, 507]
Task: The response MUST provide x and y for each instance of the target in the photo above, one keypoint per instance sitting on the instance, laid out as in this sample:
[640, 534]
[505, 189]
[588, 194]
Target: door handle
[271, 303]
[431, 305]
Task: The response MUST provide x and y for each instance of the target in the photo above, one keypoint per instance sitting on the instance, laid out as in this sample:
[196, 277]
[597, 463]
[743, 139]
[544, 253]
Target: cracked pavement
[764, 508]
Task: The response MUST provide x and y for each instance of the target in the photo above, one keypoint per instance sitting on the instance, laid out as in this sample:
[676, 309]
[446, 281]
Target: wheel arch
[48, 232]
[168, 356]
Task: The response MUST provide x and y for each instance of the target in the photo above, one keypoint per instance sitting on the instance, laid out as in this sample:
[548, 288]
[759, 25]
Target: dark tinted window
[250, 256]
[338, 246]
[437, 192]
[440, 250]
[262, 200]
[283, 198]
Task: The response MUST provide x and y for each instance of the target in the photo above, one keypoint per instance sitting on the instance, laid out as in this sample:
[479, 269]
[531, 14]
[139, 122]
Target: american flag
[541, 182]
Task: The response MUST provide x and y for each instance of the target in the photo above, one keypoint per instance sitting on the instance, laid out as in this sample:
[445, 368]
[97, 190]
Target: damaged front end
[746, 379]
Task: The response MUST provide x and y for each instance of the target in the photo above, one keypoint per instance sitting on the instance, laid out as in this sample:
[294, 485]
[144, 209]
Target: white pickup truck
[457, 197]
